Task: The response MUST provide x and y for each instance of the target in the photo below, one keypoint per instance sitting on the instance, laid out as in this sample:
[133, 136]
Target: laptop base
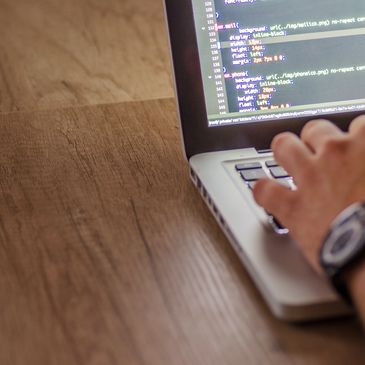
[292, 290]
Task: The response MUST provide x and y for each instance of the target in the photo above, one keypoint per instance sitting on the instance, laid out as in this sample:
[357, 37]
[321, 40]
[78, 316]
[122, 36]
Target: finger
[317, 132]
[273, 197]
[291, 153]
[358, 126]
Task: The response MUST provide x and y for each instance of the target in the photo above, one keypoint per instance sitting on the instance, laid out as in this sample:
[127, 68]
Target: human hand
[328, 167]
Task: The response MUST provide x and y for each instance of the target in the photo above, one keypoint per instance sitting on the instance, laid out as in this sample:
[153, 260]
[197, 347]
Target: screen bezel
[197, 135]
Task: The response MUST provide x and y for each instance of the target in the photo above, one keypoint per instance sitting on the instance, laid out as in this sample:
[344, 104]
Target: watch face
[343, 243]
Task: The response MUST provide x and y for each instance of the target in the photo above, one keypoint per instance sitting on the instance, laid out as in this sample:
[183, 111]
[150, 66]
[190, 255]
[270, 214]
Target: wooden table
[79, 52]
[107, 253]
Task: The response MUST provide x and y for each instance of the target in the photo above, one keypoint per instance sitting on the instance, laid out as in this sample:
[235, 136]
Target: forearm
[356, 282]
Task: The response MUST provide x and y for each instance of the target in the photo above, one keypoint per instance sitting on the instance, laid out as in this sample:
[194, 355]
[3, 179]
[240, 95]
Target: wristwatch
[344, 247]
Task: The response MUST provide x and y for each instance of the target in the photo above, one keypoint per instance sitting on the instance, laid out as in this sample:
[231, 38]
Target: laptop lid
[246, 70]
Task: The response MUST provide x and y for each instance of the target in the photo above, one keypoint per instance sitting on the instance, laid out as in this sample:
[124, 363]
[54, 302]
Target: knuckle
[335, 146]
[360, 125]
[307, 129]
[311, 124]
[280, 140]
[283, 145]
[312, 128]
[358, 120]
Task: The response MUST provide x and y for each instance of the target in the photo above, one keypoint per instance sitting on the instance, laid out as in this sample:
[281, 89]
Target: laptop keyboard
[252, 171]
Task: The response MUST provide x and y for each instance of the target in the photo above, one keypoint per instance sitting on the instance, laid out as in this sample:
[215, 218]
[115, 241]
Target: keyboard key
[278, 172]
[284, 182]
[248, 166]
[253, 175]
[271, 163]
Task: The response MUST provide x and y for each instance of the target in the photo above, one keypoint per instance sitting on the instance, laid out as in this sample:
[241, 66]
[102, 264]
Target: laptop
[246, 70]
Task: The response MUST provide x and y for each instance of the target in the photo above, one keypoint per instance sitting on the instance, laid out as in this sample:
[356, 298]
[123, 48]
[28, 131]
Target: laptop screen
[264, 60]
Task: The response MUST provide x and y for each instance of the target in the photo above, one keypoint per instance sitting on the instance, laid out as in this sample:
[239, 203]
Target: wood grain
[109, 256]
[66, 53]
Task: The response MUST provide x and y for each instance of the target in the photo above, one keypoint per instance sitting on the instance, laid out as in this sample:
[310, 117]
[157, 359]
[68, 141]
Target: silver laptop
[246, 70]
